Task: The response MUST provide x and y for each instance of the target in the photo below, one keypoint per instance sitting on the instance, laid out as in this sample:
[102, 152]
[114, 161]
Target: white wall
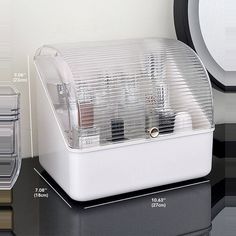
[37, 22]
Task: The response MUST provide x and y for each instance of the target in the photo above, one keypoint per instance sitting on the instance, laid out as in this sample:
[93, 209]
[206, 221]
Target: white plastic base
[106, 172]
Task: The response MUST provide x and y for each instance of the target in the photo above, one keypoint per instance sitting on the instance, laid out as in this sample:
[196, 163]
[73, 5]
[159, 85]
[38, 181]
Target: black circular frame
[183, 34]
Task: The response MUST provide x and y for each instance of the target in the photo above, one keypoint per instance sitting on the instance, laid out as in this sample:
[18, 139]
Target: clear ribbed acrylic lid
[10, 159]
[121, 91]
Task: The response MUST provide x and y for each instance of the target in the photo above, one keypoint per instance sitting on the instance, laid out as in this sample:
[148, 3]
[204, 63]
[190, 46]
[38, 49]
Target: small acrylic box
[10, 158]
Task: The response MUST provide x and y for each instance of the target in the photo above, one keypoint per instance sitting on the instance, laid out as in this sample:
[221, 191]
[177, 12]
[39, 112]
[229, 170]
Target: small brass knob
[153, 132]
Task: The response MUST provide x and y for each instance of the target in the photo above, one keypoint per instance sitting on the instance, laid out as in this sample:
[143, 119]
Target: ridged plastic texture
[120, 91]
[10, 158]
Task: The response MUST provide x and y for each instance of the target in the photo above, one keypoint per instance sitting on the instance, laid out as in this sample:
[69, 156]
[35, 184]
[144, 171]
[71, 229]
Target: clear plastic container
[7, 137]
[10, 158]
[120, 116]
[121, 91]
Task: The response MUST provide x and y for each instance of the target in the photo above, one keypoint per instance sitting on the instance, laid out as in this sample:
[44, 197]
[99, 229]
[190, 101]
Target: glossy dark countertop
[200, 207]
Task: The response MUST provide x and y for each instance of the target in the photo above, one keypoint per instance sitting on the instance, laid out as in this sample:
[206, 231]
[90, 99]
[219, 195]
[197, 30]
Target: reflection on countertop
[166, 213]
[181, 209]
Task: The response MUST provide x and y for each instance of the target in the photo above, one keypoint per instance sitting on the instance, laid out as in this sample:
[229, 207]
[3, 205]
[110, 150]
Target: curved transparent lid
[121, 91]
[10, 160]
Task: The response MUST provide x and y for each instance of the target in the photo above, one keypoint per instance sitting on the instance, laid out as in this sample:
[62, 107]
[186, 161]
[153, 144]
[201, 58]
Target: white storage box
[10, 158]
[120, 116]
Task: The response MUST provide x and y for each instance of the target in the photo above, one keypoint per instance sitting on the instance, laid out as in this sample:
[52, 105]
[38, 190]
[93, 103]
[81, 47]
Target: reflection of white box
[10, 160]
[129, 82]
[138, 215]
